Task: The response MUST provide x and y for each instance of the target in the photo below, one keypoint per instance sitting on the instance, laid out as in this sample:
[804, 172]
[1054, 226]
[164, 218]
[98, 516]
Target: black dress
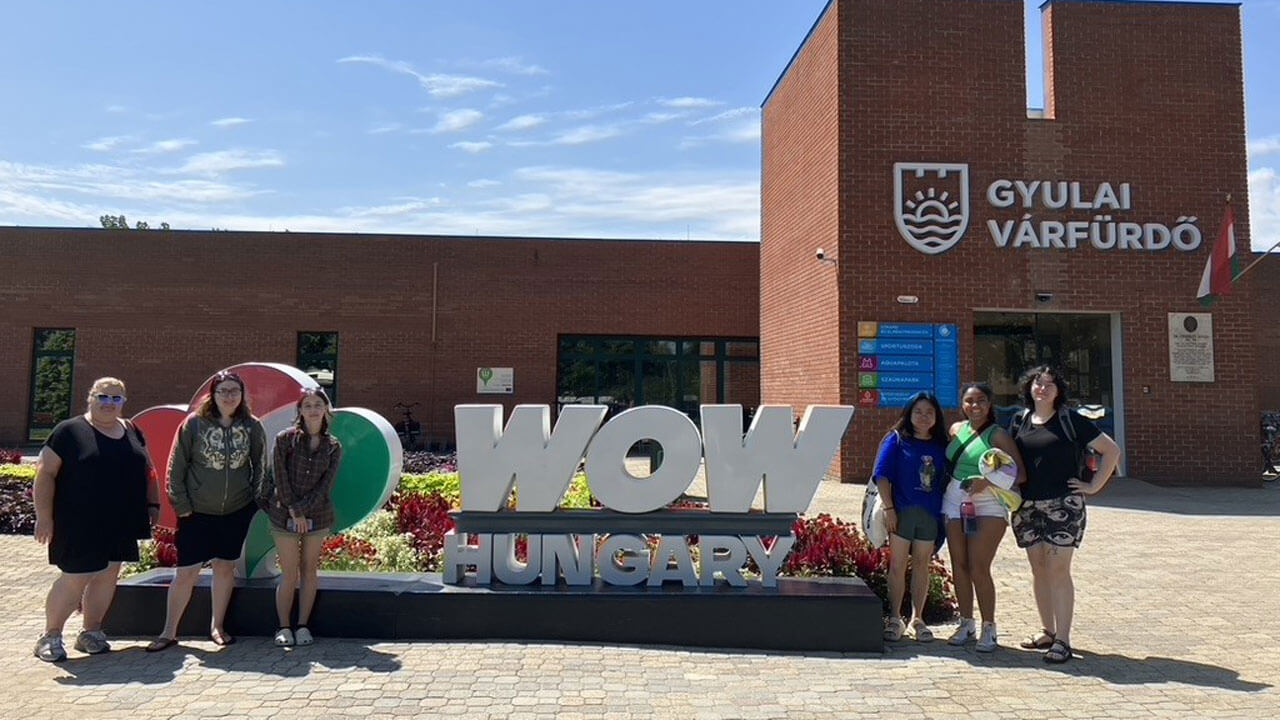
[100, 496]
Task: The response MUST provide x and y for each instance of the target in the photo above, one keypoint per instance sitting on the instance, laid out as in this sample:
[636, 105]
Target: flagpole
[1255, 262]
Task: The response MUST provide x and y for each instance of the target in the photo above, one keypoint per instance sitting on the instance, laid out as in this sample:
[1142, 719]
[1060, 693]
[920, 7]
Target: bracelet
[887, 508]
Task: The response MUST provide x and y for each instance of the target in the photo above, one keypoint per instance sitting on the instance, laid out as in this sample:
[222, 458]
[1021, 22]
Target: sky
[570, 118]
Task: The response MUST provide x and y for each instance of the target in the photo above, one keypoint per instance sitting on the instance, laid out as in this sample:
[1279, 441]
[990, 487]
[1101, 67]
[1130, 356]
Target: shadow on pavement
[1111, 668]
[251, 655]
[1132, 494]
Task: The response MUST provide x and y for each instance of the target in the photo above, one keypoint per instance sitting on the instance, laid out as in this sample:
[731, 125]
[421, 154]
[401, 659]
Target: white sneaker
[987, 642]
[92, 642]
[49, 648]
[965, 633]
[284, 638]
[921, 631]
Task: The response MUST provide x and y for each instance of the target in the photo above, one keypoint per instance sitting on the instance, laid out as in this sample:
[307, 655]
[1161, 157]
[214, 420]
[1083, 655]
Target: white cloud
[514, 65]
[472, 147]
[657, 118]
[728, 115]
[31, 186]
[742, 132]
[385, 128]
[522, 122]
[223, 161]
[456, 120]
[483, 183]
[586, 134]
[107, 144]
[1264, 146]
[115, 108]
[230, 122]
[165, 146]
[587, 113]
[1264, 208]
[688, 102]
[437, 84]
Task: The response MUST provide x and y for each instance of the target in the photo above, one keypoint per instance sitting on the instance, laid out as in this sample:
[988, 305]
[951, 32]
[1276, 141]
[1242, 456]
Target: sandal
[221, 638]
[161, 643]
[893, 629]
[921, 631]
[1058, 653]
[1041, 641]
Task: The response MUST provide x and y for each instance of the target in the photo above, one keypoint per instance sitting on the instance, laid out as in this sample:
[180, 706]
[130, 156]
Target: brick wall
[1145, 93]
[163, 310]
[800, 186]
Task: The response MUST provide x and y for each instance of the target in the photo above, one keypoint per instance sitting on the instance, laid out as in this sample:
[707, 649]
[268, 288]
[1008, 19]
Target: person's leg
[982, 551]
[1038, 558]
[921, 552]
[1061, 589]
[958, 544]
[312, 545]
[184, 580]
[224, 581]
[97, 596]
[63, 598]
[899, 554]
[289, 555]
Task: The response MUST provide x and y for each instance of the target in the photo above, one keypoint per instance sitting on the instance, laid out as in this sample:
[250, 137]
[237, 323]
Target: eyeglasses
[110, 399]
[227, 392]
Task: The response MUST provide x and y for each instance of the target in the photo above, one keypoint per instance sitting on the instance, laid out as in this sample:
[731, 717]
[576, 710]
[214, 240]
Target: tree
[119, 222]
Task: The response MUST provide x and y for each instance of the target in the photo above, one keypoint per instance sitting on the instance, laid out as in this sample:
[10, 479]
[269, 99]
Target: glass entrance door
[1007, 343]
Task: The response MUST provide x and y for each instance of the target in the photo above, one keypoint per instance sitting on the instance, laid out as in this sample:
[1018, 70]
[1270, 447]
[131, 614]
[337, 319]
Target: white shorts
[984, 503]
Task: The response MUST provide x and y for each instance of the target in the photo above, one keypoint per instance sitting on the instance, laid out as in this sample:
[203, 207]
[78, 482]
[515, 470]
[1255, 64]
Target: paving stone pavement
[1178, 592]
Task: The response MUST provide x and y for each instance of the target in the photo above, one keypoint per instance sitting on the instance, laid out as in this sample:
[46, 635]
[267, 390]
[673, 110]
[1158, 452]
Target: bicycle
[409, 430]
[1271, 444]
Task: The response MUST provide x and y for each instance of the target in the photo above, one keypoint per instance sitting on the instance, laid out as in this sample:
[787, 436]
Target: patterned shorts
[1058, 521]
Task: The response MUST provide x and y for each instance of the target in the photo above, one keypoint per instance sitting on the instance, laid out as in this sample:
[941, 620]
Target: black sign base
[818, 614]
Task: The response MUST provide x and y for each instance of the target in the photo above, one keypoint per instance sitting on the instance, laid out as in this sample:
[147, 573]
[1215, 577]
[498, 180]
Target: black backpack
[1084, 466]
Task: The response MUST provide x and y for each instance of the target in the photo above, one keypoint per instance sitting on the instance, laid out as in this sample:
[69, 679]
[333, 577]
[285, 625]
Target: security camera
[822, 254]
[1044, 297]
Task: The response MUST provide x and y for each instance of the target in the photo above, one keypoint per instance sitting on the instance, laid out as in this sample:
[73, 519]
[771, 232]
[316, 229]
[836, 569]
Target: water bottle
[968, 517]
[927, 473]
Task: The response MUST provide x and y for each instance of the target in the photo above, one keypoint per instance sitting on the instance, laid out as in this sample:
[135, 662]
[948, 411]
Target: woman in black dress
[93, 501]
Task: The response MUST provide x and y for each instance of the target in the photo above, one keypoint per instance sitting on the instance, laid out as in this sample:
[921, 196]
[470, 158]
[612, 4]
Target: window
[677, 372]
[52, 363]
[318, 357]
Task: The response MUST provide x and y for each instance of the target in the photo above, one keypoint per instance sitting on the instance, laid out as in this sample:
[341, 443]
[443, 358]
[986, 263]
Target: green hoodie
[213, 469]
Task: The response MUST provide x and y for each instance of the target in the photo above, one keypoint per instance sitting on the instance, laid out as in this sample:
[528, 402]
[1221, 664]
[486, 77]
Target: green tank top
[967, 464]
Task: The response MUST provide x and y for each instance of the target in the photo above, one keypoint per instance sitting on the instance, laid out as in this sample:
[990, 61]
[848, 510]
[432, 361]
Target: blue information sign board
[897, 360]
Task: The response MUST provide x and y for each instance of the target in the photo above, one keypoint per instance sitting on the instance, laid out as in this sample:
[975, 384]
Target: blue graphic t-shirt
[902, 461]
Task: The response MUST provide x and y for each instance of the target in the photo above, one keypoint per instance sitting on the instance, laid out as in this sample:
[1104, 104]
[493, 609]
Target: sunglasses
[228, 392]
[110, 399]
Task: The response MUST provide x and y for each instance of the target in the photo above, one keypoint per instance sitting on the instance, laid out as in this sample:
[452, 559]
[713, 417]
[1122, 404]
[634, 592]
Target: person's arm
[280, 466]
[153, 491]
[257, 455]
[1005, 442]
[47, 467]
[179, 461]
[1110, 452]
[885, 458]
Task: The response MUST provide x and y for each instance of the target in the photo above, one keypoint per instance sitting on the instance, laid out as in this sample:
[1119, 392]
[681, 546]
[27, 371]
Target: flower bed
[408, 534]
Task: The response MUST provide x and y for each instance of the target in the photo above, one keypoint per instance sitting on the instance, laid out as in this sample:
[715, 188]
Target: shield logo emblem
[931, 204]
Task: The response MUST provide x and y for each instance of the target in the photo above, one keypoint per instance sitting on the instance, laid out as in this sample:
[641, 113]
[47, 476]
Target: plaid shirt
[304, 478]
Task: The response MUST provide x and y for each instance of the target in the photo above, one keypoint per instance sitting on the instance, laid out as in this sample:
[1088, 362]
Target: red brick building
[893, 106]
[394, 318]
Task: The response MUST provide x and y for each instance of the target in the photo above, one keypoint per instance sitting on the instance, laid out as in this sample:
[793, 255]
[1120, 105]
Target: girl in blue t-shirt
[911, 472]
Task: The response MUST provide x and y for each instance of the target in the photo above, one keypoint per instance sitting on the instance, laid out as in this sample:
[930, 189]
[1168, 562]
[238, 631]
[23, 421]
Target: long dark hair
[985, 389]
[904, 428]
[209, 410]
[301, 424]
[1029, 377]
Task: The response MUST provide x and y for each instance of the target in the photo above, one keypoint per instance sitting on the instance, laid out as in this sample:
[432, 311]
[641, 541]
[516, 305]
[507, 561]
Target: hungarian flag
[1221, 266]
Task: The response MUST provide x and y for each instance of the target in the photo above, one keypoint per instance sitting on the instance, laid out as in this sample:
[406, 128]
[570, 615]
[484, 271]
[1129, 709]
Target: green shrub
[18, 472]
[447, 484]
[394, 550]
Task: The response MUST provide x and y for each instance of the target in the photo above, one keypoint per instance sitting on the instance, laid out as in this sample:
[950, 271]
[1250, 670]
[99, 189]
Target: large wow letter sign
[538, 463]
